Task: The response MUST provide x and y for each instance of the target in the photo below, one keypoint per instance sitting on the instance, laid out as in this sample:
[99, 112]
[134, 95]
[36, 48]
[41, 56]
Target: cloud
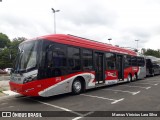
[122, 20]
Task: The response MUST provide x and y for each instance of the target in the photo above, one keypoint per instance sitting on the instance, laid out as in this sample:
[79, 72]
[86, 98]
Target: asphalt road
[141, 95]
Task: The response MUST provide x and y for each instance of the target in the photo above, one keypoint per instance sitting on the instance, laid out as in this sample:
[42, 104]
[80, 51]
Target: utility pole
[109, 40]
[137, 43]
[54, 11]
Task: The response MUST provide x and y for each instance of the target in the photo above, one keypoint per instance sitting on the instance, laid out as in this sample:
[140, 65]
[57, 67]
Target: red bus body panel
[34, 87]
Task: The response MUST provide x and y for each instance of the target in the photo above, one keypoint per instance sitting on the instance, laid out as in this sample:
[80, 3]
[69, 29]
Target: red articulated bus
[57, 64]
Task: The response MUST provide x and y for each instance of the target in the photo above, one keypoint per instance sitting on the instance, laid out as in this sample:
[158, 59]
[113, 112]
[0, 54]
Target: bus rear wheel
[76, 86]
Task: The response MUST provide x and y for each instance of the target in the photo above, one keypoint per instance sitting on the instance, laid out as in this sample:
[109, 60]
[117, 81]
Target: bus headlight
[30, 78]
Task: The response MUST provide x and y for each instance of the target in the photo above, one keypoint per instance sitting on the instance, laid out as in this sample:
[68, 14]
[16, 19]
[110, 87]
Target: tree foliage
[8, 50]
[155, 53]
[4, 40]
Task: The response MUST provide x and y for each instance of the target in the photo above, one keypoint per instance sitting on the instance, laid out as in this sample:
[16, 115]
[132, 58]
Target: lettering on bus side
[58, 79]
[111, 74]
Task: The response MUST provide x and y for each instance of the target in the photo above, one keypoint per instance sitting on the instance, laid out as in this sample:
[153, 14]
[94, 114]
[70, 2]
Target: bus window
[56, 60]
[110, 61]
[73, 58]
[140, 61]
[127, 61]
[134, 61]
[149, 63]
[59, 56]
[87, 59]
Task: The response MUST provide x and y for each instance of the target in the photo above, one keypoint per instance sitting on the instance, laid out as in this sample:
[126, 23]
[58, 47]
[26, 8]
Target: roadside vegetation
[8, 50]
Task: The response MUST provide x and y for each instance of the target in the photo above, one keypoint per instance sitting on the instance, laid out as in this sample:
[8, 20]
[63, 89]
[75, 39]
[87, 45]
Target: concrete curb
[9, 96]
[9, 92]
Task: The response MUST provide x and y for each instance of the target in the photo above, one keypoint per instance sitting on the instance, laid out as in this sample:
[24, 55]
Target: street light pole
[109, 40]
[137, 43]
[54, 11]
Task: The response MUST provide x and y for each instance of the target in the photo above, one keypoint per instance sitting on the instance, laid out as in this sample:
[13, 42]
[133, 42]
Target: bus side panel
[135, 71]
[142, 72]
[111, 77]
[52, 86]
[127, 71]
[65, 86]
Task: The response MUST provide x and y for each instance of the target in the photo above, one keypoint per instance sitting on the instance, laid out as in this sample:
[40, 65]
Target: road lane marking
[55, 106]
[98, 97]
[137, 86]
[116, 101]
[152, 82]
[104, 98]
[133, 93]
[6, 107]
[77, 118]
[3, 103]
[145, 83]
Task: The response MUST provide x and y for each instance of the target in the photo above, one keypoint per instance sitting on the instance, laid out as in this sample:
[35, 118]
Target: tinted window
[59, 55]
[73, 58]
[134, 61]
[87, 59]
[110, 61]
[127, 61]
[140, 61]
[56, 56]
[54, 62]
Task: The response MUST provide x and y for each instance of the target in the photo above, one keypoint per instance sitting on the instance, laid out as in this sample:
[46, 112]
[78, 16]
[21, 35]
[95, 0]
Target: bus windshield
[27, 56]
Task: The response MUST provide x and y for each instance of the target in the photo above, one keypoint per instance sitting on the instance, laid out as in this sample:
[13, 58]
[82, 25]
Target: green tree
[4, 40]
[8, 54]
[155, 53]
[5, 59]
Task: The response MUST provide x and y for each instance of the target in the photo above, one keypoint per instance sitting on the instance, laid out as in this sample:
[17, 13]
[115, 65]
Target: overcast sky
[122, 20]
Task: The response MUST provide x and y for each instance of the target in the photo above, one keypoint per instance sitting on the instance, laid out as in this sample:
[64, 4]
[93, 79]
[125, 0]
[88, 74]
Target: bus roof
[86, 43]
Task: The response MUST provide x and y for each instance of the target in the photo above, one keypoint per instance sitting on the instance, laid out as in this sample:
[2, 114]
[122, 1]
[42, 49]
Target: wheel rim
[77, 86]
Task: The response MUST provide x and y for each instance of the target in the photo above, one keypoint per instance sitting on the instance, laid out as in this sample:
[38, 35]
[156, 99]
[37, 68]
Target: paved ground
[142, 95]
[4, 84]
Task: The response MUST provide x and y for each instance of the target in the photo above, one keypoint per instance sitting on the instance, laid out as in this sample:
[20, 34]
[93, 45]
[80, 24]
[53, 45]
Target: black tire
[77, 86]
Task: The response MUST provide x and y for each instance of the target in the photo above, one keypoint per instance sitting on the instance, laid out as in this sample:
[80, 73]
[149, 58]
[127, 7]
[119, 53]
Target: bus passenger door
[120, 67]
[99, 67]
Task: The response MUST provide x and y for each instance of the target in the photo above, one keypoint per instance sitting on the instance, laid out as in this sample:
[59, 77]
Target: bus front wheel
[76, 86]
